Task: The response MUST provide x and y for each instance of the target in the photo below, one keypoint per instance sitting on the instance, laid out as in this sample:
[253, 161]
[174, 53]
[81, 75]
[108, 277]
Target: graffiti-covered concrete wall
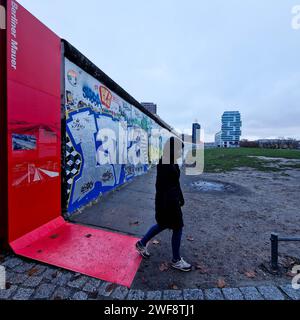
[98, 120]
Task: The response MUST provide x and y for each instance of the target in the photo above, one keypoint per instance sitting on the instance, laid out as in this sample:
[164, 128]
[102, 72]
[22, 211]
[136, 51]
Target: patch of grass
[223, 160]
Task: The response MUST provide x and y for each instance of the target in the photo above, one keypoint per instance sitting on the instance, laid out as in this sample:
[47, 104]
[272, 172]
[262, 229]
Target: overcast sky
[195, 59]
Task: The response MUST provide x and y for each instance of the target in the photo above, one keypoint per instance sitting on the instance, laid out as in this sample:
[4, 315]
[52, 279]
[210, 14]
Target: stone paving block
[291, 292]
[44, 291]
[136, 295]
[16, 278]
[24, 267]
[120, 293]
[62, 278]
[106, 289]
[271, 293]
[193, 294]
[172, 295]
[6, 294]
[50, 273]
[78, 283]
[32, 282]
[154, 295]
[23, 294]
[213, 294]
[62, 293]
[12, 262]
[232, 294]
[92, 285]
[251, 293]
[80, 295]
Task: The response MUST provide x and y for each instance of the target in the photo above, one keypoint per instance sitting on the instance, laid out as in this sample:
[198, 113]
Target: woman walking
[168, 202]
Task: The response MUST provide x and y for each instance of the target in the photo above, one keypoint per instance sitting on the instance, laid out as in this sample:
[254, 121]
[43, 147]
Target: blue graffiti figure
[90, 95]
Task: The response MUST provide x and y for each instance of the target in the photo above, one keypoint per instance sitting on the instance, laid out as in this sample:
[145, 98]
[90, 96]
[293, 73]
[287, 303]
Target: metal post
[274, 251]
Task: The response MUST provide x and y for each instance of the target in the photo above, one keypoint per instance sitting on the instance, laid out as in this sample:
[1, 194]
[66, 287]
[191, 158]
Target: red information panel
[35, 227]
[34, 129]
[3, 160]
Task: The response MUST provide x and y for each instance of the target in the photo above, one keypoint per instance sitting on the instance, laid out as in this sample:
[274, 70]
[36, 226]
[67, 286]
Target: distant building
[196, 133]
[151, 107]
[230, 134]
[218, 139]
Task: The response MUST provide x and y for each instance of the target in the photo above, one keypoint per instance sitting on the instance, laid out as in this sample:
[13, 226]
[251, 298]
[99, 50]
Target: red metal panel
[33, 107]
[36, 228]
[104, 255]
[3, 130]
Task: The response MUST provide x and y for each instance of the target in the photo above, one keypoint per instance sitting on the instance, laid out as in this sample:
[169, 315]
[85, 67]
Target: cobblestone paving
[27, 280]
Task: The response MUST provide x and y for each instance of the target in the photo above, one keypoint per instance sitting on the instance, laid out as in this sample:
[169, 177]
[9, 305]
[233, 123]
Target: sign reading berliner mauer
[34, 124]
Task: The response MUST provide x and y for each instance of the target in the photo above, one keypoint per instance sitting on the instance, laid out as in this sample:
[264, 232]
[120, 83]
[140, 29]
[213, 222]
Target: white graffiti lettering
[107, 152]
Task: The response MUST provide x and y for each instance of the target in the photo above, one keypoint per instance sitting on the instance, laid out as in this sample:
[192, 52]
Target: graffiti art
[108, 141]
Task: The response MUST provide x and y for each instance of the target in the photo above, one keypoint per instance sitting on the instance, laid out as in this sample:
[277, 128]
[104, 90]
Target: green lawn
[222, 160]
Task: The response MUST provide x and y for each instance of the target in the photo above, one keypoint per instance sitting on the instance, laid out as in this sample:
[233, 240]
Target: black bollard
[274, 251]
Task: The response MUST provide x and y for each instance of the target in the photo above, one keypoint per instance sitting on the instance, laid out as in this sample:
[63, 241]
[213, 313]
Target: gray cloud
[196, 59]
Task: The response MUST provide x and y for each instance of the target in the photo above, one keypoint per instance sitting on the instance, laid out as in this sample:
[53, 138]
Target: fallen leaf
[250, 274]
[173, 287]
[32, 271]
[190, 238]
[291, 274]
[202, 269]
[110, 287]
[164, 267]
[156, 242]
[221, 283]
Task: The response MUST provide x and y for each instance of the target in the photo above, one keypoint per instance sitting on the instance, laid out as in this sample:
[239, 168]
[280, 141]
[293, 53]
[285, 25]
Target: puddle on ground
[208, 186]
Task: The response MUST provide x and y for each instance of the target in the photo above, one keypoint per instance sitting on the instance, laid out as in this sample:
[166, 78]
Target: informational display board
[34, 122]
[3, 124]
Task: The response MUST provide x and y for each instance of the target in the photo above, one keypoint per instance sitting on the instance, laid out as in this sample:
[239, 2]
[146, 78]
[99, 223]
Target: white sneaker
[142, 250]
[182, 266]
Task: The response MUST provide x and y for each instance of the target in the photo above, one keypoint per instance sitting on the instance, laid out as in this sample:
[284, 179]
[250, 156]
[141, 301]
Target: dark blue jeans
[176, 239]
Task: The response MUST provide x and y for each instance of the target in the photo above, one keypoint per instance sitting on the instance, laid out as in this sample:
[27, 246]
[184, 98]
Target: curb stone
[271, 293]
[48, 282]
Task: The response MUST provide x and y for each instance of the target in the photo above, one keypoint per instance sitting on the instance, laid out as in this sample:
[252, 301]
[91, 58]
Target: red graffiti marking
[106, 97]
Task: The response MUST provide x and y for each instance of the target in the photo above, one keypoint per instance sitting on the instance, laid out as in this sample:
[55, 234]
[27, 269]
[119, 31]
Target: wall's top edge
[84, 63]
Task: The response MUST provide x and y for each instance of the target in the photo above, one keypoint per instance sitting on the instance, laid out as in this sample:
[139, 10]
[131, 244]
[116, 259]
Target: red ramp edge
[96, 253]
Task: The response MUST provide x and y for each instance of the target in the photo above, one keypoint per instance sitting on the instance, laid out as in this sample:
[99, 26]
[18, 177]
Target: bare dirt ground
[227, 232]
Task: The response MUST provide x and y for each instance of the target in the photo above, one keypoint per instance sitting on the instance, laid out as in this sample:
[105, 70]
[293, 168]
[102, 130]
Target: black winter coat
[169, 198]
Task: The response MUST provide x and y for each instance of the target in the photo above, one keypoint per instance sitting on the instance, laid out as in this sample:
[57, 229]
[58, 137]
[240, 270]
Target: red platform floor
[100, 254]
